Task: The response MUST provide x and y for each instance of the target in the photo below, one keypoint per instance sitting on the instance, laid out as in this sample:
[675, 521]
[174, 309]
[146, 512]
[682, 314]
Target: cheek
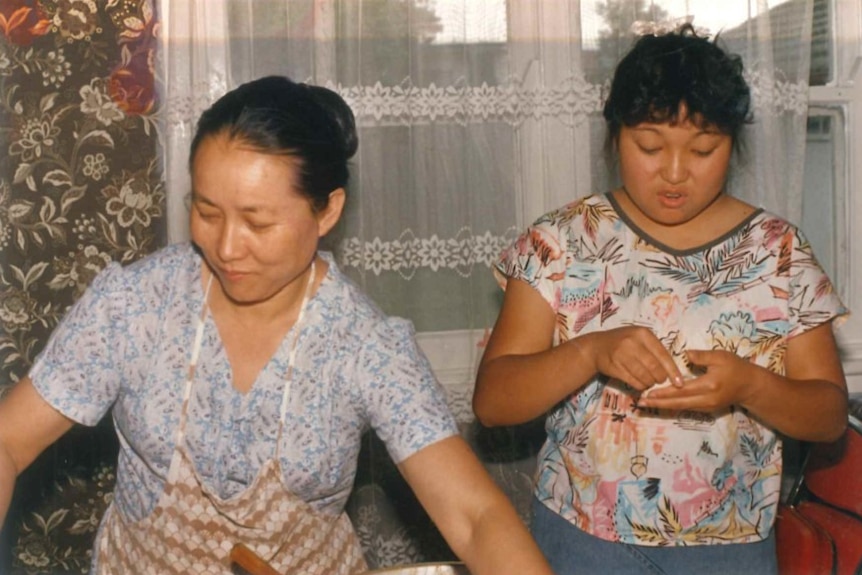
[634, 171]
[195, 228]
[716, 172]
[199, 231]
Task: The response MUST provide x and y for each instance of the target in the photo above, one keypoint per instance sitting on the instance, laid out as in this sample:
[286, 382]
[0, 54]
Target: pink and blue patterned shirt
[649, 477]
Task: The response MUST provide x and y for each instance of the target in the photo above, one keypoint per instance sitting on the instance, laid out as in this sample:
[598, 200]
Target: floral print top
[658, 478]
[126, 343]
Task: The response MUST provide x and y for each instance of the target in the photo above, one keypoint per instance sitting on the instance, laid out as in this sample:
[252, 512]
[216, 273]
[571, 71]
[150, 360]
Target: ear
[329, 216]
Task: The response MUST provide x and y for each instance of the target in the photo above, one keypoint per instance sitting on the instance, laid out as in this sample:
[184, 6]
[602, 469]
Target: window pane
[824, 189]
[469, 21]
[606, 26]
[822, 53]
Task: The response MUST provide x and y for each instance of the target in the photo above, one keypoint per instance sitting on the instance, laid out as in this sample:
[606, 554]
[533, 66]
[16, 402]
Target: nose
[230, 243]
[674, 170]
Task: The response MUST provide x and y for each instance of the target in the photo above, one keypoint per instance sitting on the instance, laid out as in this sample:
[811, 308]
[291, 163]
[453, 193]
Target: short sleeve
[404, 402]
[78, 371]
[813, 298]
[536, 257]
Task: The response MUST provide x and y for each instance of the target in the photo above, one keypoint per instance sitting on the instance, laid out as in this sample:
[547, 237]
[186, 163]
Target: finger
[665, 368]
[635, 376]
[697, 394]
[648, 391]
[657, 363]
[700, 360]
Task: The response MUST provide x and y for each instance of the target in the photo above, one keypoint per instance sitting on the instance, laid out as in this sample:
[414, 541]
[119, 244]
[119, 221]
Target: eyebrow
[700, 132]
[197, 197]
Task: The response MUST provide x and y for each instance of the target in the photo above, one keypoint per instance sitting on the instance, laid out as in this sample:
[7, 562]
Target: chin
[243, 298]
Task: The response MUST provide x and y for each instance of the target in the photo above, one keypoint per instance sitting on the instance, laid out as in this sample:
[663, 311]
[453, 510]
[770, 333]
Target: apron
[191, 530]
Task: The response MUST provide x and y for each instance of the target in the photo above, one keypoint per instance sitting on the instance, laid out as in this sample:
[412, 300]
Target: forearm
[808, 410]
[476, 518]
[499, 544]
[513, 389]
[8, 473]
[28, 424]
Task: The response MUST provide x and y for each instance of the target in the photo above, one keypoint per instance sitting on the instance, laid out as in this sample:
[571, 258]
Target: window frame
[845, 91]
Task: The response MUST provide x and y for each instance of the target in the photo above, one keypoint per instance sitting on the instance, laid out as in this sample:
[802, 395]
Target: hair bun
[341, 115]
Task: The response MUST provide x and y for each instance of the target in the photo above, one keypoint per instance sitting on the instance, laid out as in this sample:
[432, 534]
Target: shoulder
[146, 281]
[774, 233]
[167, 262]
[360, 342]
[351, 315]
[592, 218]
[595, 207]
[341, 295]
[553, 241]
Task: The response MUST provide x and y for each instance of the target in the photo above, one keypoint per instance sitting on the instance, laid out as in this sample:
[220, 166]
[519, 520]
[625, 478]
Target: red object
[804, 548]
[845, 531]
[833, 472]
[820, 530]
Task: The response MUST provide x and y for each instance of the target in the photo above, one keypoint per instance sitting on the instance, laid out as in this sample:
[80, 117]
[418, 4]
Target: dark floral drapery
[80, 186]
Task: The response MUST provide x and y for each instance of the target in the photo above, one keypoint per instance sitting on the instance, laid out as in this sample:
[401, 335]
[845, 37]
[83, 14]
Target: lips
[672, 200]
[232, 275]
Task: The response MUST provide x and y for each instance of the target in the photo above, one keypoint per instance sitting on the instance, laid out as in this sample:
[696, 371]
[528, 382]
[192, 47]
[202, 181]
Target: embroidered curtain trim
[571, 102]
[408, 253]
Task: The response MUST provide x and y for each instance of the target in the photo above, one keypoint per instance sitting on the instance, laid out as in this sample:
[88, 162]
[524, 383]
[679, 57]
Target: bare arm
[521, 375]
[475, 517]
[809, 402]
[28, 424]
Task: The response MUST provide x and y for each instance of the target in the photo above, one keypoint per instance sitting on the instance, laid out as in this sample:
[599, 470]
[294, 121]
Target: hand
[635, 356]
[727, 380]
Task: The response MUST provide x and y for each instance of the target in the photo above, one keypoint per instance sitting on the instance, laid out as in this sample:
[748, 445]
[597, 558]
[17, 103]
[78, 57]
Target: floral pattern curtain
[80, 186]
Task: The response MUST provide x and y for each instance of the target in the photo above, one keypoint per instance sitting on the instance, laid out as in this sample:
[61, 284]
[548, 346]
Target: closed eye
[649, 151]
[704, 153]
[259, 227]
[205, 214]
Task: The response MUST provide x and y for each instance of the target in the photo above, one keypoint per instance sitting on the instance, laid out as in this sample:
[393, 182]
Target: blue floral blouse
[126, 343]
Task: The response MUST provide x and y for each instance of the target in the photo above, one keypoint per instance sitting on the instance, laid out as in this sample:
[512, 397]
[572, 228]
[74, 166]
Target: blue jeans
[572, 551]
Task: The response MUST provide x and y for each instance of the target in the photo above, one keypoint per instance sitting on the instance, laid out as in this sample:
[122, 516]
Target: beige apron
[192, 531]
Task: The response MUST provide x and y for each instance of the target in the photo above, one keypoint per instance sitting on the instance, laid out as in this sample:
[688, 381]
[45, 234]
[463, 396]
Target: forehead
[679, 117]
[678, 127]
[231, 157]
[229, 166]
[227, 143]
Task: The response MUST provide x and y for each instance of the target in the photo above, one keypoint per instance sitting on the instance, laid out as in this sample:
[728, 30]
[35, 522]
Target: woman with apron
[242, 369]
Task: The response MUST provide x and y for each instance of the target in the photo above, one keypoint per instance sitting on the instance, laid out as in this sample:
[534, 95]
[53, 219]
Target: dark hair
[662, 72]
[277, 116]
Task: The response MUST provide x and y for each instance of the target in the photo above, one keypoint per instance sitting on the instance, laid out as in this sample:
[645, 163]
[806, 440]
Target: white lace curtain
[475, 117]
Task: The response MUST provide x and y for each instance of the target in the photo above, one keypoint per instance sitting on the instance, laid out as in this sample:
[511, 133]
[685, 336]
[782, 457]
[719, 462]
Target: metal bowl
[424, 569]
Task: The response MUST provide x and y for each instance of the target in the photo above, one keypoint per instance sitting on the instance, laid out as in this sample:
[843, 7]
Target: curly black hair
[660, 73]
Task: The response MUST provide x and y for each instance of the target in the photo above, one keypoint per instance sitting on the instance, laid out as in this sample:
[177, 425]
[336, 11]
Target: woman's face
[257, 232]
[673, 172]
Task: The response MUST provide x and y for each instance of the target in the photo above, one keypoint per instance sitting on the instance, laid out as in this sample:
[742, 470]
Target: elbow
[488, 410]
[835, 431]
[833, 419]
[837, 425]
[8, 466]
[483, 412]
[832, 428]
[482, 404]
